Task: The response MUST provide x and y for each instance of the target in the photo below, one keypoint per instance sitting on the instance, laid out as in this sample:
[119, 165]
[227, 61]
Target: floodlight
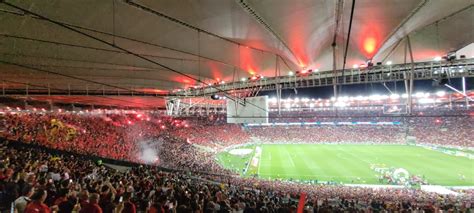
[441, 93]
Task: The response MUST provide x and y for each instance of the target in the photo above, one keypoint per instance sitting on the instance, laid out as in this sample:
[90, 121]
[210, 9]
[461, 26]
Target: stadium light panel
[422, 95]
[355, 66]
[290, 73]
[343, 98]
[375, 97]
[243, 79]
[389, 63]
[437, 58]
[440, 93]
[394, 96]
[340, 104]
[426, 101]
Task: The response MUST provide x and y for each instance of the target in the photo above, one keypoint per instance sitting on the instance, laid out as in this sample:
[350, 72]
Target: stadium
[237, 106]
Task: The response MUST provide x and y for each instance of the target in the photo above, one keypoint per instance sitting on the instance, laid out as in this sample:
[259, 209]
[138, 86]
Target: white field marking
[248, 163]
[309, 165]
[358, 158]
[290, 158]
[341, 156]
[260, 160]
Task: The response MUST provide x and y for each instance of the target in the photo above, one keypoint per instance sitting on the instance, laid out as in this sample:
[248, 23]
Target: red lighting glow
[302, 64]
[251, 72]
[370, 44]
[370, 38]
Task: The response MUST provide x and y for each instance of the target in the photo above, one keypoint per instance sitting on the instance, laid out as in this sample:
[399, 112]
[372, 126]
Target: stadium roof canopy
[91, 44]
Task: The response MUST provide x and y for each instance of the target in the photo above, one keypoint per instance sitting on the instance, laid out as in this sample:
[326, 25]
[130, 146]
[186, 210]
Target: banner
[302, 202]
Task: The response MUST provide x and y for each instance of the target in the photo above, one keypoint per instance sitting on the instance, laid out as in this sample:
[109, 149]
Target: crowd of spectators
[333, 134]
[32, 180]
[215, 136]
[112, 136]
[67, 183]
[451, 131]
[192, 143]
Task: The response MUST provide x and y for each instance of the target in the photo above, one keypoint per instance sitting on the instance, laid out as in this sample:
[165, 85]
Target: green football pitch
[347, 163]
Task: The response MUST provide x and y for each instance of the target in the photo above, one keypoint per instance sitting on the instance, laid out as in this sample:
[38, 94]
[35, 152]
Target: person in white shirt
[21, 202]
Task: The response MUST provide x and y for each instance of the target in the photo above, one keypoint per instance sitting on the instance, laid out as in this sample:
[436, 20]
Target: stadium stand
[66, 183]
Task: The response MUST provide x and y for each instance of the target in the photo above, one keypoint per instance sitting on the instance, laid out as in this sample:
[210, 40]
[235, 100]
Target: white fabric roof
[298, 32]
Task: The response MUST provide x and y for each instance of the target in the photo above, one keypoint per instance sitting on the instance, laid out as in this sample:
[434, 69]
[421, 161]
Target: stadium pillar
[412, 70]
[278, 94]
[466, 99]
[334, 67]
[405, 75]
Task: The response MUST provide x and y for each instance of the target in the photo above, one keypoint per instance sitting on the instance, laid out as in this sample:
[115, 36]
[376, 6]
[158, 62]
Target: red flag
[301, 202]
